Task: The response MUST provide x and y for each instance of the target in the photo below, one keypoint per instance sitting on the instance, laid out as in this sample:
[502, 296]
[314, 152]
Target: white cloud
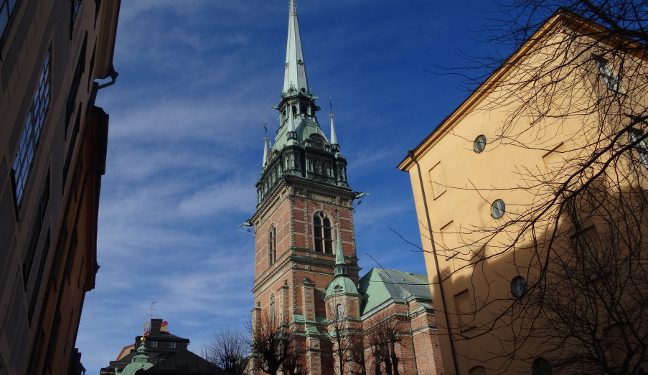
[226, 197]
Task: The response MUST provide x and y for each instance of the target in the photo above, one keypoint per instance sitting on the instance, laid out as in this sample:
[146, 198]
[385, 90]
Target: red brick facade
[299, 276]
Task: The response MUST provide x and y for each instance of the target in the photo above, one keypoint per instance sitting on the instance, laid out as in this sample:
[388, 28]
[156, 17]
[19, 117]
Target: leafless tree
[275, 348]
[580, 240]
[228, 350]
[383, 337]
[347, 340]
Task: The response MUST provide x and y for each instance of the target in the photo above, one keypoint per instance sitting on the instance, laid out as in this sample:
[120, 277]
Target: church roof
[380, 285]
[184, 362]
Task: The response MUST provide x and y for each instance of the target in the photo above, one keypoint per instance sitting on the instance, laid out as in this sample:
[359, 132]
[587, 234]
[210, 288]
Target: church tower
[303, 215]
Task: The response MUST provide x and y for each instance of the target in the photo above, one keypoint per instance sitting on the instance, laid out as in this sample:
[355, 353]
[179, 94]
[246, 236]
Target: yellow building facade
[530, 200]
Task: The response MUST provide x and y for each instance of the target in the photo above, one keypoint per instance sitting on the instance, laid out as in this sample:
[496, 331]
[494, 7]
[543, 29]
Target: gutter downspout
[436, 262]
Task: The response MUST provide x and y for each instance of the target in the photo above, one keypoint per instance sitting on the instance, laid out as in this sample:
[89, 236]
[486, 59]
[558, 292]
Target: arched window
[322, 233]
[271, 313]
[477, 370]
[272, 245]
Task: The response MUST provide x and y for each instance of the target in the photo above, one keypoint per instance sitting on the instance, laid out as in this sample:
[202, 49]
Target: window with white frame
[33, 128]
[322, 235]
[612, 80]
[639, 140]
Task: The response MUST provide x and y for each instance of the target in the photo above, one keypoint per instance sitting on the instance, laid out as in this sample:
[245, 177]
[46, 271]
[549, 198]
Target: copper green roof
[379, 286]
[304, 129]
[140, 361]
[341, 285]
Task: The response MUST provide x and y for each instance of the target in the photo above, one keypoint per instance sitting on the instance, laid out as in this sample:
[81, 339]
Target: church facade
[306, 268]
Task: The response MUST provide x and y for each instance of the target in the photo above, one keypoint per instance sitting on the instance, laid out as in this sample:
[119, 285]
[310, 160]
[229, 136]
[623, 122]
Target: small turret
[340, 265]
[265, 151]
[334, 140]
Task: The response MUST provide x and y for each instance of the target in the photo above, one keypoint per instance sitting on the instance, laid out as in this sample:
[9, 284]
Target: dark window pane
[32, 131]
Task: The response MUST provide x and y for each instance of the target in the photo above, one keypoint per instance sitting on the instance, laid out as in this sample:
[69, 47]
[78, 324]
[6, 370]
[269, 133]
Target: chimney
[155, 326]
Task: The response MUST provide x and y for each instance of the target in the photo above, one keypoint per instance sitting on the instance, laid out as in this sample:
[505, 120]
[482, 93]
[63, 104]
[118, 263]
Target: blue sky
[198, 78]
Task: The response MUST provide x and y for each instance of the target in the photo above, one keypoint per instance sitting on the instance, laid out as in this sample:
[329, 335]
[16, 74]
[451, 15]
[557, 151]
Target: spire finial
[295, 74]
[334, 140]
[265, 144]
[292, 10]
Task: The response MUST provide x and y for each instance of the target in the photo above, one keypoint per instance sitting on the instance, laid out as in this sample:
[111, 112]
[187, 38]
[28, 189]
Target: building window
[36, 229]
[339, 311]
[39, 276]
[612, 80]
[464, 311]
[640, 144]
[271, 313]
[541, 367]
[479, 144]
[76, 83]
[173, 345]
[6, 11]
[323, 238]
[75, 5]
[153, 344]
[272, 245]
[437, 180]
[498, 208]
[32, 130]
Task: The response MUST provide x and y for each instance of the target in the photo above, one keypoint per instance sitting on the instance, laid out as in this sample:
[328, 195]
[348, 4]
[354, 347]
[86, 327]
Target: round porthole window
[518, 286]
[480, 143]
[498, 208]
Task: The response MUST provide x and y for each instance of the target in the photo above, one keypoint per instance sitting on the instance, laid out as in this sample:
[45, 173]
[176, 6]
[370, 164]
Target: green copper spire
[295, 74]
[297, 121]
[265, 151]
[300, 149]
[340, 266]
[341, 284]
[334, 140]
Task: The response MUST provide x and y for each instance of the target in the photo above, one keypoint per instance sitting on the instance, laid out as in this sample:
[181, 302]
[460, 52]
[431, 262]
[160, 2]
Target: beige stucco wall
[454, 187]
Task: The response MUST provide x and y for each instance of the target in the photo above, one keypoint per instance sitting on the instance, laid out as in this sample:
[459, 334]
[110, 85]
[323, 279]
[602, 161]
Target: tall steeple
[304, 210]
[300, 147]
[295, 74]
[340, 265]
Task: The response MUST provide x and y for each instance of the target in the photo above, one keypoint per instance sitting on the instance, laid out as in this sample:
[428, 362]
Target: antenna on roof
[152, 309]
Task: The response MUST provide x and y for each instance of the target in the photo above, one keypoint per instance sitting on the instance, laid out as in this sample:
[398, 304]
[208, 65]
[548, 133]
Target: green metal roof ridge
[379, 286]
